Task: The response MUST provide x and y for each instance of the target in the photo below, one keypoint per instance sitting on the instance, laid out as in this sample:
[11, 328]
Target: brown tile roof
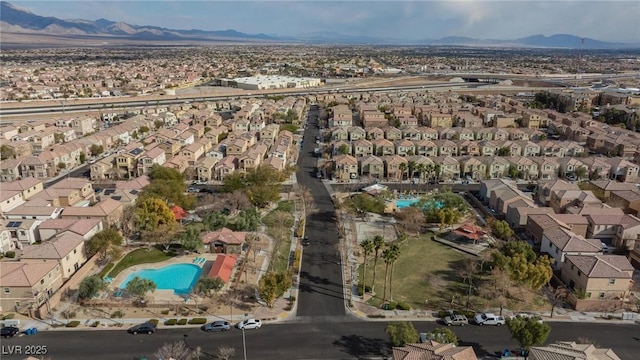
[602, 266]
[432, 350]
[24, 274]
[571, 351]
[56, 248]
[567, 241]
[225, 236]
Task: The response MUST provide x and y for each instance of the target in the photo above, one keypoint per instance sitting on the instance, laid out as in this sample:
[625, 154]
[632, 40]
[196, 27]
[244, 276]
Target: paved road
[303, 340]
[321, 291]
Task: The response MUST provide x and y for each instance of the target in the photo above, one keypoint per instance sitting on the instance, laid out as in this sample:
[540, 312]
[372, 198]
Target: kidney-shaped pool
[177, 277]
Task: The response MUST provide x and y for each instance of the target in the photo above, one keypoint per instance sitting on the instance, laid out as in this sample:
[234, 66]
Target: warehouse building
[271, 82]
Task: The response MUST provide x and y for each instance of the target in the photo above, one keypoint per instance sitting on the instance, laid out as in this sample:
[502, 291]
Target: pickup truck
[489, 319]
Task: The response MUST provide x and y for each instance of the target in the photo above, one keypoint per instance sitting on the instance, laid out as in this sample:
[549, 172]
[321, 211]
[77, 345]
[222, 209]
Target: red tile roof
[223, 267]
[179, 213]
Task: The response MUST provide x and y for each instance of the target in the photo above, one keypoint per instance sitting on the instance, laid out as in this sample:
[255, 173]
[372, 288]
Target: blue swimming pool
[177, 277]
[403, 203]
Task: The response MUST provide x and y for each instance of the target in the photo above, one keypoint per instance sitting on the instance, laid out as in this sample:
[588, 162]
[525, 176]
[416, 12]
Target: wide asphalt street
[300, 340]
[321, 291]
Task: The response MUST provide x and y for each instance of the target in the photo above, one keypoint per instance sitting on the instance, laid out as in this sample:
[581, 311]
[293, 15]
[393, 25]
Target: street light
[244, 344]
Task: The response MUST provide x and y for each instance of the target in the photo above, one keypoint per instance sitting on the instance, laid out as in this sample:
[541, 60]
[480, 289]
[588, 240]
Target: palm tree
[378, 243]
[367, 248]
[389, 255]
[403, 169]
[395, 254]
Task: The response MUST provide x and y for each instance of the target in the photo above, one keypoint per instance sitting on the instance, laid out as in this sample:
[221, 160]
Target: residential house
[10, 170]
[603, 227]
[571, 351]
[345, 167]
[362, 147]
[28, 187]
[372, 165]
[431, 350]
[383, 147]
[148, 159]
[598, 276]
[559, 242]
[86, 228]
[28, 285]
[545, 189]
[67, 249]
[518, 212]
[472, 167]
[395, 167]
[109, 211]
[627, 232]
[205, 168]
[449, 167]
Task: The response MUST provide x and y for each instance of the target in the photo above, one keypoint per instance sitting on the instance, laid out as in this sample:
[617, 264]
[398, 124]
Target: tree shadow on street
[358, 346]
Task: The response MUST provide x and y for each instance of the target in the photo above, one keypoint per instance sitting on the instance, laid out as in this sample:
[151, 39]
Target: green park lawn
[139, 256]
[279, 223]
[424, 271]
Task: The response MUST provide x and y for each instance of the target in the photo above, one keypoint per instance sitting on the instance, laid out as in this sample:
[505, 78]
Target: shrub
[106, 269]
[376, 316]
[390, 306]
[73, 323]
[403, 306]
[204, 307]
[182, 322]
[198, 321]
[154, 321]
[360, 286]
[292, 298]
[164, 312]
[171, 322]
[10, 254]
[9, 316]
[95, 324]
[117, 314]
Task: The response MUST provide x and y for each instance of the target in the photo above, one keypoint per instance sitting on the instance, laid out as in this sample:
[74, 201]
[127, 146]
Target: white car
[249, 324]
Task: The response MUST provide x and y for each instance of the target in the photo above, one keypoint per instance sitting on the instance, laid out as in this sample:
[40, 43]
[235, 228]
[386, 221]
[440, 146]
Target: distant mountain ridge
[17, 22]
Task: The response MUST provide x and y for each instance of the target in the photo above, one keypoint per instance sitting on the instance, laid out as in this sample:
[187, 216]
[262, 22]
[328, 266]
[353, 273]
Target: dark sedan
[146, 328]
[9, 331]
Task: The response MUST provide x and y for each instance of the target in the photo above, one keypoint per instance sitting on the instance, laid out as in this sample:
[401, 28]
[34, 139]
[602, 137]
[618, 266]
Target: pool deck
[160, 296]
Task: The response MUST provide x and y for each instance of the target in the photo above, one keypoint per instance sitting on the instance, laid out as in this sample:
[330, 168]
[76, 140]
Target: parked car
[489, 319]
[145, 328]
[249, 324]
[306, 241]
[216, 326]
[9, 331]
[455, 320]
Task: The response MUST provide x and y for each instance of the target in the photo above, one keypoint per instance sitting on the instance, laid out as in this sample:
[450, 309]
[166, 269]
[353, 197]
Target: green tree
[247, 220]
[367, 249]
[344, 149]
[6, 152]
[378, 243]
[504, 151]
[61, 165]
[389, 255]
[96, 150]
[206, 285]
[443, 336]
[273, 285]
[169, 185]
[140, 287]
[90, 286]
[107, 244]
[581, 172]
[215, 221]
[82, 158]
[402, 332]
[155, 220]
[528, 331]
[191, 239]
[513, 171]
[143, 129]
[502, 230]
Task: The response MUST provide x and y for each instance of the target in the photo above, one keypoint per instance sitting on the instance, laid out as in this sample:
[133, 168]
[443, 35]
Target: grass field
[279, 223]
[423, 271]
[139, 256]
[427, 276]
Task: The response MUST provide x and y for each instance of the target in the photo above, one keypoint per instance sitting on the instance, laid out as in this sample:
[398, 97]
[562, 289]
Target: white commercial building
[272, 82]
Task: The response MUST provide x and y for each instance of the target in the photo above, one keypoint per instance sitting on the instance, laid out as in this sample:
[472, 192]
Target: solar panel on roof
[134, 192]
[14, 223]
[136, 151]
[109, 191]
[117, 198]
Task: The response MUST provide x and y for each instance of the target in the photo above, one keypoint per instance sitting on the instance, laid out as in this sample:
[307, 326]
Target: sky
[607, 20]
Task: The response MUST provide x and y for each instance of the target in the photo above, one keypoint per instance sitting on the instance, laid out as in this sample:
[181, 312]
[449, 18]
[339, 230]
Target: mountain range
[18, 25]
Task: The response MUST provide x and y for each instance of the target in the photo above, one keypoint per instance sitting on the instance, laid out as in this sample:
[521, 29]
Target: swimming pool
[403, 203]
[177, 277]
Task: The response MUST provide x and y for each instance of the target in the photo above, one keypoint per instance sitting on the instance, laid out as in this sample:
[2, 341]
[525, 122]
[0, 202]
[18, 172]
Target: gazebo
[471, 232]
